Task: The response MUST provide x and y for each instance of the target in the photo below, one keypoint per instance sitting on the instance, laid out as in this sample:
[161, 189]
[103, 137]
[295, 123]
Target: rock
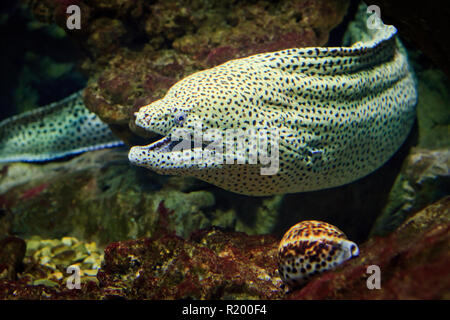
[212, 264]
[43, 273]
[424, 179]
[413, 262]
[425, 174]
[12, 252]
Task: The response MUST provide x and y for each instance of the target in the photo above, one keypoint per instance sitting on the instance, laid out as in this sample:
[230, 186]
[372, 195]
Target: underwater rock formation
[216, 264]
[107, 200]
[424, 179]
[12, 252]
[137, 50]
[212, 264]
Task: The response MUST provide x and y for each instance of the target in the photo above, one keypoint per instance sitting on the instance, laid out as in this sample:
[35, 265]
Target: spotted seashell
[311, 247]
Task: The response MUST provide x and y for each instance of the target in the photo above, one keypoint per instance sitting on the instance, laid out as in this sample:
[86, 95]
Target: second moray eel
[54, 131]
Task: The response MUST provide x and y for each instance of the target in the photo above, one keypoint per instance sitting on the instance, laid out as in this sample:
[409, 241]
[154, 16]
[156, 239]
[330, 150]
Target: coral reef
[137, 49]
[104, 201]
[210, 265]
[218, 264]
[425, 178]
[12, 252]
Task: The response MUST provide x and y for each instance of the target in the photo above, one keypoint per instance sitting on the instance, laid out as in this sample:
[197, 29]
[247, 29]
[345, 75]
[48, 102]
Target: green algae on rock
[104, 201]
[424, 179]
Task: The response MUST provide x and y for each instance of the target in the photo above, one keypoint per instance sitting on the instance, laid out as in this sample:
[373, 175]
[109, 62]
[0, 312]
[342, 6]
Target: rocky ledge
[217, 264]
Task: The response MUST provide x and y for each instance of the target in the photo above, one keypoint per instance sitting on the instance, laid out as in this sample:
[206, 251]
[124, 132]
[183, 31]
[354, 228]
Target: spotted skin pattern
[54, 131]
[341, 113]
[309, 248]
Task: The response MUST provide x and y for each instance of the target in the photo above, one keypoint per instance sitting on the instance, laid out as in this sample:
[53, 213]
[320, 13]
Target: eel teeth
[160, 144]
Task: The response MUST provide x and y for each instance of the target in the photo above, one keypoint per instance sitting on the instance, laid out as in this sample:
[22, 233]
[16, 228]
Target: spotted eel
[54, 131]
[341, 113]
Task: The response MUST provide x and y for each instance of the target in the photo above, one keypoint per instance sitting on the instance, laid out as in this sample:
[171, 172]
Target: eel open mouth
[142, 155]
[164, 144]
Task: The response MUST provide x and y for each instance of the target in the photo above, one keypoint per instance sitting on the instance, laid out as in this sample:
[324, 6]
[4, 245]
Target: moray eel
[54, 131]
[340, 112]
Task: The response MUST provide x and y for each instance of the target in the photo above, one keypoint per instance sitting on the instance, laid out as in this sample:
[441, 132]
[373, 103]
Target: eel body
[340, 113]
[54, 131]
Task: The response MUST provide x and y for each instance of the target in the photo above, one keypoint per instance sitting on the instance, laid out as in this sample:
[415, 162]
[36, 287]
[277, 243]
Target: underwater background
[139, 235]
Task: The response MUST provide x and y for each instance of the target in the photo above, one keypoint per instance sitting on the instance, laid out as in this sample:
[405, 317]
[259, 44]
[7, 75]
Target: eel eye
[179, 118]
